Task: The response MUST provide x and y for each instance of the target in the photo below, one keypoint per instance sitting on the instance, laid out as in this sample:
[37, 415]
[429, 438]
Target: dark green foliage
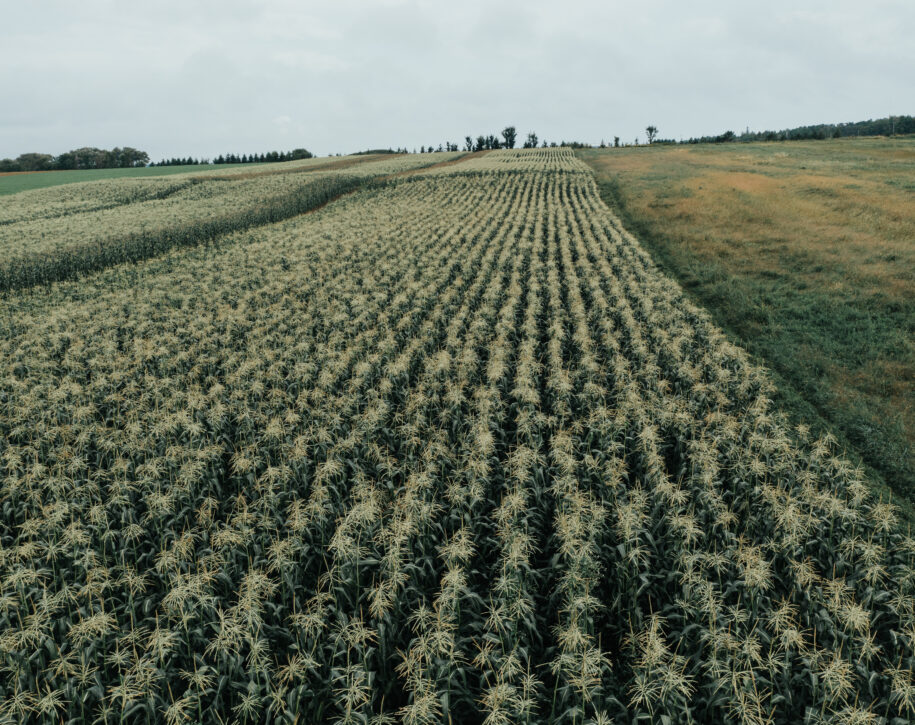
[890, 126]
[510, 135]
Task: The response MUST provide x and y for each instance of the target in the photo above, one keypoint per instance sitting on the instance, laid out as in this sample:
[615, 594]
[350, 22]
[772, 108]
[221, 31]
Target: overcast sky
[202, 77]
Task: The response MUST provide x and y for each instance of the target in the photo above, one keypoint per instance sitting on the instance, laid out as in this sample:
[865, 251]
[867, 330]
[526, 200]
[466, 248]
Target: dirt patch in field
[21, 173]
[736, 181]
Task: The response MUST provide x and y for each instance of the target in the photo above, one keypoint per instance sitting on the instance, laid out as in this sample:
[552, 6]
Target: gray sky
[201, 77]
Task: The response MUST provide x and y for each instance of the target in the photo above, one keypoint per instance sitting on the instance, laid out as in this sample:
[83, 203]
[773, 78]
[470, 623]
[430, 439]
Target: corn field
[448, 450]
[71, 232]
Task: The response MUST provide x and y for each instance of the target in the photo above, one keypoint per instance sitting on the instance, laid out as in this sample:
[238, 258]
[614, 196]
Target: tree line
[264, 158]
[128, 157]
[83, 158]
[889, 126]
[892, 125]
[505, 140]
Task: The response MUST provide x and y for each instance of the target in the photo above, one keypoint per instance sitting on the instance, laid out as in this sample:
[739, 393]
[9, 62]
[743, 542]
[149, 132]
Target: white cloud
[215, 76]
[309, 60]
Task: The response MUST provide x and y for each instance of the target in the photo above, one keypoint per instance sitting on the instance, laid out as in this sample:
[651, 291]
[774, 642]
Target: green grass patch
[840, 349]
[14, 183]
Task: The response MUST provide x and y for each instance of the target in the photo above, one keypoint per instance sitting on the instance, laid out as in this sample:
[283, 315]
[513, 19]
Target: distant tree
[468, 143]
[82, 158]
[127, 157]
[34, 162]
[531, 142]
[66, 160]
[510, 135]
[616, 141]
[301, 154]
[480, 143]
[132, 157]
[651, 132]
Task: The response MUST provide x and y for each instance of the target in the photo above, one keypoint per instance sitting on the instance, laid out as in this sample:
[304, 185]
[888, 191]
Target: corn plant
[448, 449]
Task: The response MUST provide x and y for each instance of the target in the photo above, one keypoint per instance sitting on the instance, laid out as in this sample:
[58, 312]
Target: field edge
[790, 401]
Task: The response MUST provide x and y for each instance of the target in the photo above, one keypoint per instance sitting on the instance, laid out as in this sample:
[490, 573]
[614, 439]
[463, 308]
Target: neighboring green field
[805, 253]
[15, 182]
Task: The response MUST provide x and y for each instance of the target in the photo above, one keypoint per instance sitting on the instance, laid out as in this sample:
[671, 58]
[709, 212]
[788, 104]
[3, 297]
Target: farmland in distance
[14, 182]
[450, 448]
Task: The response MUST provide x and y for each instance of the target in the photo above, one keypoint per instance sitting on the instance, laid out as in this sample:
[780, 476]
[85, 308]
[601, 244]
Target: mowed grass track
[804, 252]
[448, 450]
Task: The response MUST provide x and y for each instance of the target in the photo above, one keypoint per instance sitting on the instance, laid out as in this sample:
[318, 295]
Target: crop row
[129, 220]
